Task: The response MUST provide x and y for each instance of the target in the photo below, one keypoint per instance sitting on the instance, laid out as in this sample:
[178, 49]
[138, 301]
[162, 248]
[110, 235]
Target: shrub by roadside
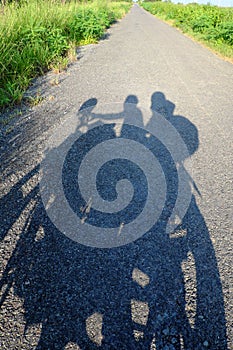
[39, 35]
[210, 24]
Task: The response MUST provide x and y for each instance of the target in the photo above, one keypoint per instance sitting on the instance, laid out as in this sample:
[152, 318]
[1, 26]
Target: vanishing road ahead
[125, 244]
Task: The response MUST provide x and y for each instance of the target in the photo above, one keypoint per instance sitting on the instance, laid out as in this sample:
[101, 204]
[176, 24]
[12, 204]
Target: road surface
[163, 289]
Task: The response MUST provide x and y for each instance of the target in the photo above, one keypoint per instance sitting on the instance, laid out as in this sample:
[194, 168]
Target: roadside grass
[38, 35]
[210, 25]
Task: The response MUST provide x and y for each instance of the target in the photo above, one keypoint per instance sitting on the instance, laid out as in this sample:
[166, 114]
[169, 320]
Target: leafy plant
[37, 35]
[212, 24]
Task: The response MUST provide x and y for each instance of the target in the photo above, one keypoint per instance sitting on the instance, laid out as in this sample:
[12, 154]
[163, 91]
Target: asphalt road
[124, 281]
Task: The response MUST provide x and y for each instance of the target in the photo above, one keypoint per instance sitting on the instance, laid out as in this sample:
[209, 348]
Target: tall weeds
[36, 35]
[210, 24]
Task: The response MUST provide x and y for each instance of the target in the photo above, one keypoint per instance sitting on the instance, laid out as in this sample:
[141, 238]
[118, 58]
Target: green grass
[37, 35]
[210, 25]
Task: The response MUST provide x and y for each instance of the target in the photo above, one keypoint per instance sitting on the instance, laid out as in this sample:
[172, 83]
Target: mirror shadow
[161, 291]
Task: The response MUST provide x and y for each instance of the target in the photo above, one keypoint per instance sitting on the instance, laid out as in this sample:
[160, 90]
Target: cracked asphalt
[159, 291]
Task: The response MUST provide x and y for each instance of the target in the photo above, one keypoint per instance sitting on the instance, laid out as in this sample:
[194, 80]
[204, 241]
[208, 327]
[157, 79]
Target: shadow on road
[162, 291]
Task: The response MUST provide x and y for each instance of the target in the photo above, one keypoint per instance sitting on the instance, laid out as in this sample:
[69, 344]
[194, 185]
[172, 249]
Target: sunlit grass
[37, 35]
[211, 25]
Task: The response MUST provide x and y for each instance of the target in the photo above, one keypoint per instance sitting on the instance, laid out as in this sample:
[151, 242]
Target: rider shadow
[161, 291]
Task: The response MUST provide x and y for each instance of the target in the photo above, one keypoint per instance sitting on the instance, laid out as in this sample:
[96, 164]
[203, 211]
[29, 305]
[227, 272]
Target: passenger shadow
[161, 291]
